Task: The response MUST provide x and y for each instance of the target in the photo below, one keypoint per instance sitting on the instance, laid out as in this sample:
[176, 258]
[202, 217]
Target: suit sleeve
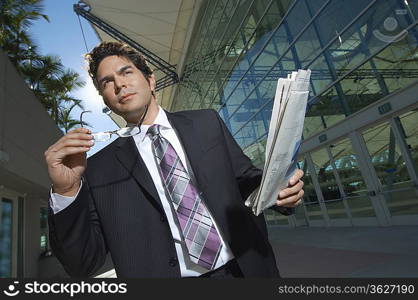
[76, 236]
[247, 175]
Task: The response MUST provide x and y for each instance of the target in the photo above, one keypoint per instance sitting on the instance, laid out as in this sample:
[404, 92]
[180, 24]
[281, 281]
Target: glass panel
[362, 87]
[254, 128]
[351, 178]
[361, 207]
[402, 202]
[325, 111]
[268, 58]
[218, 23]
[391, 169]
[205, 12]
[210, 54]
[329, 187]
[297, 19]
[256, 152]
[44, 228]
[386, 157]
[347, 168]
[327, 25]
[314, 211]
[308, 46]
[6, 235]
[363, 39]
[310, 199]
[325, 175]
[275, 218]
[300, 215]
[331, 21]
[409, 123]
[336, 209]
[232, 54]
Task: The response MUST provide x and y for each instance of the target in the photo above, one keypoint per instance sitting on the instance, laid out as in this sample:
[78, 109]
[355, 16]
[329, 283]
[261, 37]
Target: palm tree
[16, 17]
[50, 81]
[39, 68]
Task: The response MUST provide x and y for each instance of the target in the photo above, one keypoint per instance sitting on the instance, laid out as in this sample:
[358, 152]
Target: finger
[71, 143]
[296, 176]
[291, 190]
[78, 135]
[66, 152]
[291, 201]
[292, 198]
[79, 130]
[73, 136]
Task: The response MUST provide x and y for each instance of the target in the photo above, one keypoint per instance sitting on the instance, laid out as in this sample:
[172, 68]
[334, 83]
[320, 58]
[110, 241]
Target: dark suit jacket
[118, 208]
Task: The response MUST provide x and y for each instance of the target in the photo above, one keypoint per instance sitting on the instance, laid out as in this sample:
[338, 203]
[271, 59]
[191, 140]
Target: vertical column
[370, 177]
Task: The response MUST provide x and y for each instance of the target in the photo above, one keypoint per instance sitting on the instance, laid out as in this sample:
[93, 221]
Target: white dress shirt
[143, 143]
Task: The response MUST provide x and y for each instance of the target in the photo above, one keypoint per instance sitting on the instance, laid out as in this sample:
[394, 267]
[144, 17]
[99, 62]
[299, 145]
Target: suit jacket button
[173, 262]
[162, 218]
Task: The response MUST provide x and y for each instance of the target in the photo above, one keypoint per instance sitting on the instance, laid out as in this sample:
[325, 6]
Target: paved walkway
[314, 252]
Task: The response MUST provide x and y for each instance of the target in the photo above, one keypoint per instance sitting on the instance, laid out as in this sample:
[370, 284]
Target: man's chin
[132, 116]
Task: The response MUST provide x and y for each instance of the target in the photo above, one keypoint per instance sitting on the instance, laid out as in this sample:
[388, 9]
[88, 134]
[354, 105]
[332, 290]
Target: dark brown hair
[105, 49]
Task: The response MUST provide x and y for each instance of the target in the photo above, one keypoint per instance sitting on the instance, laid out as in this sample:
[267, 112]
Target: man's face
[123, 87]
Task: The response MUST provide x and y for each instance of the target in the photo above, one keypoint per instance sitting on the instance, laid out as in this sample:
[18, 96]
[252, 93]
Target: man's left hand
[292, 195]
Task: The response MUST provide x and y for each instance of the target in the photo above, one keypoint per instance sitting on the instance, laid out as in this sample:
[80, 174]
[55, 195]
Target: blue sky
[62, 36]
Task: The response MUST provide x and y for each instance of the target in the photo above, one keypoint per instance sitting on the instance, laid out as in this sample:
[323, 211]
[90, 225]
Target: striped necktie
[199, 233]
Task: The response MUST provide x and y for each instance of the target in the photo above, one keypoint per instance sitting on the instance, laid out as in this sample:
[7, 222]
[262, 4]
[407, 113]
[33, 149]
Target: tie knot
[153, 131]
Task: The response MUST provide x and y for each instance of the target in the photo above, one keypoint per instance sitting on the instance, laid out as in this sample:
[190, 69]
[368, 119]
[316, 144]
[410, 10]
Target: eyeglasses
[104, 136]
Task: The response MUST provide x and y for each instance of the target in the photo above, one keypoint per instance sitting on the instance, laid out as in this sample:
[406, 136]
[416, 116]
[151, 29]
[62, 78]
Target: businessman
[166, 200]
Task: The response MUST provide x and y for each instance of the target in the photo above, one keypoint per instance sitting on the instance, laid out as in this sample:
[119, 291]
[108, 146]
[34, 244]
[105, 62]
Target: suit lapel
[128, 155]
[190, 141]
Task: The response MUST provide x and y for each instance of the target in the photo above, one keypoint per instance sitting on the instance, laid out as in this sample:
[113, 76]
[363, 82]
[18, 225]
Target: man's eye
[106, 84]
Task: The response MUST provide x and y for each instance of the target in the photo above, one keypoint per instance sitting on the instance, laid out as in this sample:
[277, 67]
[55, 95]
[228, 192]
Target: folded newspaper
[283, 141]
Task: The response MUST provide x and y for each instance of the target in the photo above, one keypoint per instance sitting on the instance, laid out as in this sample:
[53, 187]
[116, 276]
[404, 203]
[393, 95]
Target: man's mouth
[125, 97]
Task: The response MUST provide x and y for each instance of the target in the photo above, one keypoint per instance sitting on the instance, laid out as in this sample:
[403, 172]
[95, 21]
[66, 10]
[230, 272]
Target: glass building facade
[361, 54]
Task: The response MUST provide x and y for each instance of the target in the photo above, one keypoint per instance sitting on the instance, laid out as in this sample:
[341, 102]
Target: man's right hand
[66, 160]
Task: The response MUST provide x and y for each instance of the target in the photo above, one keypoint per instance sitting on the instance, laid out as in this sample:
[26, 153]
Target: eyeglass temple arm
[81, 117]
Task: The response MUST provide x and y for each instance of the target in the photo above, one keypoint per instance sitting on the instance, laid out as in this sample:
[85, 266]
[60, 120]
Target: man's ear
[151, 81]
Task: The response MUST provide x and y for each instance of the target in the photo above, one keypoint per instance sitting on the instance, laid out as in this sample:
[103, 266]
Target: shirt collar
[161, 120]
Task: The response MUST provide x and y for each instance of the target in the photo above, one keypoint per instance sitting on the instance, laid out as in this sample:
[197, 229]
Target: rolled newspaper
[284, 139]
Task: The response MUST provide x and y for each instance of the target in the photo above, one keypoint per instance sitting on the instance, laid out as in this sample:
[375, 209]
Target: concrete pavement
[314, 252]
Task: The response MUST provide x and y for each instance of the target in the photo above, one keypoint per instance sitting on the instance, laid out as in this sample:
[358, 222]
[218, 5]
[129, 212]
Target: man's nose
[119, 84]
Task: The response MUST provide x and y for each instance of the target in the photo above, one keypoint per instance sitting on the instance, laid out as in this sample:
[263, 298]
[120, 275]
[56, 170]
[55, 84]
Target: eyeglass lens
[123, 132]
[101, 136]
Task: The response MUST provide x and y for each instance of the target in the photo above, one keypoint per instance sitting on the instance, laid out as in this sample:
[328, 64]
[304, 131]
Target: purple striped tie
[199, 233]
